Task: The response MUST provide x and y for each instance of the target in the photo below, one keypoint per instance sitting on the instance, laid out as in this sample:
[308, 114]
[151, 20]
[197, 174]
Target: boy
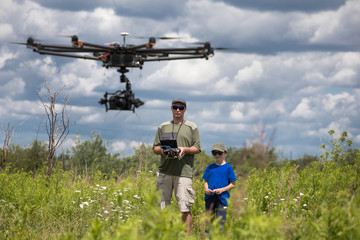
[219, 179]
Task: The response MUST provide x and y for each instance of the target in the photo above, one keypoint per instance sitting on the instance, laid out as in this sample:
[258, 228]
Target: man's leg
[164, 183]
[185, 197]
[187, 218]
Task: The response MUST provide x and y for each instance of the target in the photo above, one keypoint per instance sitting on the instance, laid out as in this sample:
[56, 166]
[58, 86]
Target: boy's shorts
[182, 186]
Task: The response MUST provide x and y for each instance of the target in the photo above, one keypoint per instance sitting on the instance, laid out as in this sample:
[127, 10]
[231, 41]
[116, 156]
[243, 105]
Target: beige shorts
[182, 186]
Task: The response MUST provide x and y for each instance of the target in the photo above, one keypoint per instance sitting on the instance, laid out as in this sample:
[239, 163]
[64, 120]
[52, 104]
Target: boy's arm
[224, 189]
[207, 190]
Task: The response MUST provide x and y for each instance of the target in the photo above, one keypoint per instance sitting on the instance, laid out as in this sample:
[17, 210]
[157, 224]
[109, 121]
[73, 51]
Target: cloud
[12, 88]
[283, 5]
[118, 146]
[295, 66]
[304, 110]
[6, 54]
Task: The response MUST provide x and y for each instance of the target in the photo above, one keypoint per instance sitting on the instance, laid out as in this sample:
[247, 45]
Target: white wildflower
[266, 196]
[301, 194]
[136, 196]
[305, 205]
[78, 191]
[295, 199]
[106, 211]
[282, 199]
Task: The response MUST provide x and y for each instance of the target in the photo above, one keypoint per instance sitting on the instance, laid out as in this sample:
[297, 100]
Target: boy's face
[218, 155]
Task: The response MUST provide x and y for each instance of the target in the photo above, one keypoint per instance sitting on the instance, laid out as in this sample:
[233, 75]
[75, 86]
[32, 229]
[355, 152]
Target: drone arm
[99, 47]
[175, 58]
[67, 55]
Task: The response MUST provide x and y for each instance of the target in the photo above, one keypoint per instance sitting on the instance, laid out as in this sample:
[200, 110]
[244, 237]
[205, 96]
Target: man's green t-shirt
[187, 135]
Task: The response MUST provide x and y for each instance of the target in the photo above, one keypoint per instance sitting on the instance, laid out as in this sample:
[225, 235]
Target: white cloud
[19, 109]
[5, 55]
[277, 74]
[183, 74]
[13, 87]
[6, 31]
[334, 103]
[118, 146]
[92, 118]
[304, 110]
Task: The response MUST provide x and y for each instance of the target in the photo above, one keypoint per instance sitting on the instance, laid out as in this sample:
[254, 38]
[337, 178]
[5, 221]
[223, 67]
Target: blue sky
[295, 70]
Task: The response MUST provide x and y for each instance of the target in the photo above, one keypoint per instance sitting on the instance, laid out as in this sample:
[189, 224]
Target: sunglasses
[178, 107]
[216, 153]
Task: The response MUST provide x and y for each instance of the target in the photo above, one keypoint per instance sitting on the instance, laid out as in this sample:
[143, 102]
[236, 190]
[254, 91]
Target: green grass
[320, 201]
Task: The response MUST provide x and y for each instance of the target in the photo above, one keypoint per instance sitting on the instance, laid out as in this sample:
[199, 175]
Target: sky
[293, 71]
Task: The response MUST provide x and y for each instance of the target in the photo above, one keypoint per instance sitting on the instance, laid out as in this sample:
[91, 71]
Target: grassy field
[321, 201]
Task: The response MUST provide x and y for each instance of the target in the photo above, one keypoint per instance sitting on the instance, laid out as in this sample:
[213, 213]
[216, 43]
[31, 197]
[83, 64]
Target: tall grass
[321, 201]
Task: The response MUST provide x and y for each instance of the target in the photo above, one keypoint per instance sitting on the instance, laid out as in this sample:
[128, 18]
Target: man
[176, 172]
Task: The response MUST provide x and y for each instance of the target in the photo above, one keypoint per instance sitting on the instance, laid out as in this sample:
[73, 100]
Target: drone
[122, 57]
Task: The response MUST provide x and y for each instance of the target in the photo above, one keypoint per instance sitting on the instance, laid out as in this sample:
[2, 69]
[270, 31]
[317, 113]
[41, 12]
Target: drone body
[122, 57]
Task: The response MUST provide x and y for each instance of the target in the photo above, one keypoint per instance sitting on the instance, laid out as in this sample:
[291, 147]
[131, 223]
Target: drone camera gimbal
[121, 99]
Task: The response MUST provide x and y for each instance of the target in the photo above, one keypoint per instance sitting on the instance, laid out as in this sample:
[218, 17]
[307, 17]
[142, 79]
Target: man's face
[178, 110]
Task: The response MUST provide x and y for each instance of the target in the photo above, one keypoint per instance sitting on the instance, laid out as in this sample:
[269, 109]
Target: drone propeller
[215, 48]
[74, 38]
[160, 38]
[29, 41]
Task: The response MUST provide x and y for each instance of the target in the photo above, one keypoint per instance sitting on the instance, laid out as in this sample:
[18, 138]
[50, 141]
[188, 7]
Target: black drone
[121, 57]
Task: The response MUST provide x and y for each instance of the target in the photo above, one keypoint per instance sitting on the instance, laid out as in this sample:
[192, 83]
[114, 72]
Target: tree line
[89, 156]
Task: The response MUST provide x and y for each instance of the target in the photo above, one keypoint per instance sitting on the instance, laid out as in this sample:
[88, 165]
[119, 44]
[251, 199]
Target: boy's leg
[210, 205]
[221, 212]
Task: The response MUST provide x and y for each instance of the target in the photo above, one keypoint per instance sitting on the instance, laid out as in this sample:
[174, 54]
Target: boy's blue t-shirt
[219, 177]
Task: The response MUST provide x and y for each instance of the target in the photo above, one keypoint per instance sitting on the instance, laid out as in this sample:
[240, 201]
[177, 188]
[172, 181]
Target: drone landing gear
[121, 99]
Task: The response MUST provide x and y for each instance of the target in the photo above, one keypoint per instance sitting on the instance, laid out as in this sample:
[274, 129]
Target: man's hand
[188, 150]
[182, 151]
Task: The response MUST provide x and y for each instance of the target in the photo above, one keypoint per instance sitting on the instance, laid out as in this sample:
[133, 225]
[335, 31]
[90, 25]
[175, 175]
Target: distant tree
[57, 126]
[8, 132]
[36, 154]
[93, 155]
[341, 150]
[255, 153]
[202, 160]
[300, 162]
[144, 157]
